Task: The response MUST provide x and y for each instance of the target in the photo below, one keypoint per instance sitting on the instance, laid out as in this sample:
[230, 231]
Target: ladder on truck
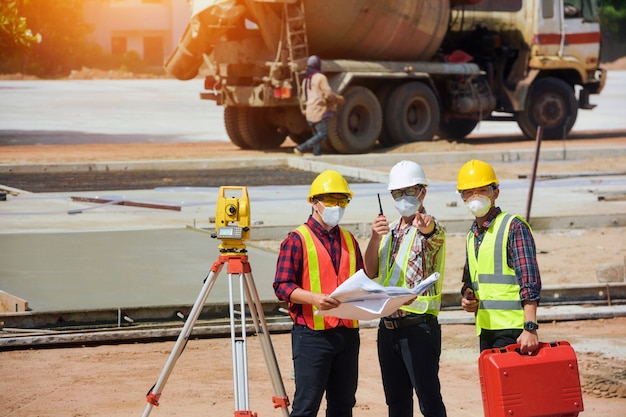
[294, 47]
[295, 31]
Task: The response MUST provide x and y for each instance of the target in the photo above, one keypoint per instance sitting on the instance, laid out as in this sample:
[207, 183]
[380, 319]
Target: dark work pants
[325, 361]
[409, 360]
[498, 338]
[315, 141]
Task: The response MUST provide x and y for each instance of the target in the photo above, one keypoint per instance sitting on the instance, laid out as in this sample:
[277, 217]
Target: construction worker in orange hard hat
[313, 261]
[501, 279]
[404, 254]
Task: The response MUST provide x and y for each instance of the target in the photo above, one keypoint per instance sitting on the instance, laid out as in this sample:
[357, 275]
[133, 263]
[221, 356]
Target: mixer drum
[376, 29]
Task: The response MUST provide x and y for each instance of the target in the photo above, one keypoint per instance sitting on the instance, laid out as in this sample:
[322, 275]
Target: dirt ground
[113, 380]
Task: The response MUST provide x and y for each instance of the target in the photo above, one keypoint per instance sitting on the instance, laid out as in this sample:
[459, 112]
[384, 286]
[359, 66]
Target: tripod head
[232, 220]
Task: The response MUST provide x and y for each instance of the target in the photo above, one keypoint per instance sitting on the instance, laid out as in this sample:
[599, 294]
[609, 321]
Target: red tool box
[545, 384]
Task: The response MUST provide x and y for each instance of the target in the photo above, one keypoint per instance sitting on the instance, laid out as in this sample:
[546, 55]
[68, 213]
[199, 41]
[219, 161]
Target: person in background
[313, 261]
[321, 103]
[501, 280]
[403, 254]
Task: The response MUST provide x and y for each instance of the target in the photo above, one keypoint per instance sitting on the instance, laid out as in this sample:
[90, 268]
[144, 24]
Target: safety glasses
[484, 191]
[330, 201]
[411, 191]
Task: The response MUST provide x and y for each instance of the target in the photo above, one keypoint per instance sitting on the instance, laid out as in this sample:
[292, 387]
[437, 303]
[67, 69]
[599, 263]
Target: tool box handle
[515, 347]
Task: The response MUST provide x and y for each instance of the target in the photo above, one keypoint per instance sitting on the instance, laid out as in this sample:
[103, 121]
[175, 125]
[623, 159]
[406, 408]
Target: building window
[153, 50]
[118, 45]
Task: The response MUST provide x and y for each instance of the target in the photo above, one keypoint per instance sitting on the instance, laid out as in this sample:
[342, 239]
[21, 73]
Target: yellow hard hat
[475, 174]
[329, 182]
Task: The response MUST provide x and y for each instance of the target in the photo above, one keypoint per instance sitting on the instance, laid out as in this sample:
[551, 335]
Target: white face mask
[331, 216]
[479, 205]
[407, 205]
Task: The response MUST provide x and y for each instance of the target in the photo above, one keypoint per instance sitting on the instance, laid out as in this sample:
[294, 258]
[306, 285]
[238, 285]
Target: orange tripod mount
[231, 210]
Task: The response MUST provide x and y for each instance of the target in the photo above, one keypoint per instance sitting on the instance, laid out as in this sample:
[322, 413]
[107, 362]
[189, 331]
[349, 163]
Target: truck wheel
[257, 131]
[552, 104]
[357, 125]
[231, 122]
[412, 113]
[456, 128]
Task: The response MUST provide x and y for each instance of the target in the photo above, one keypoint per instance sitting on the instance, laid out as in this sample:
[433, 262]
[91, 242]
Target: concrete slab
[58, 253]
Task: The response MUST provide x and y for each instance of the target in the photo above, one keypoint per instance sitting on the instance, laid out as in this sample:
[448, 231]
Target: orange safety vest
[319, 276]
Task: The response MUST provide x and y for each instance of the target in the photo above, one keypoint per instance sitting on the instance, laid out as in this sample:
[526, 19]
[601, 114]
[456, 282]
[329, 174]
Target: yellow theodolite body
[232, 219]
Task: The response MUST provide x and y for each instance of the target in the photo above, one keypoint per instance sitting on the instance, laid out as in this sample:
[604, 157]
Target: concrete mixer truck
[408, 70]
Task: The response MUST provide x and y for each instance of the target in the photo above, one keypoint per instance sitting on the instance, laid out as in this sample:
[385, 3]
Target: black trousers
[325, 361]
[409, 360]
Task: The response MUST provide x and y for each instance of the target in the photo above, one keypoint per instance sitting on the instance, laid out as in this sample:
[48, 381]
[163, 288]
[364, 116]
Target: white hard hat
[405, 174]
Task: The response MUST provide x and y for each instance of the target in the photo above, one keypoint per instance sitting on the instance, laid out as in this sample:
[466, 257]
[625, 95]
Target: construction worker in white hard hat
[501, 280]
[403, 254]
[313, 261]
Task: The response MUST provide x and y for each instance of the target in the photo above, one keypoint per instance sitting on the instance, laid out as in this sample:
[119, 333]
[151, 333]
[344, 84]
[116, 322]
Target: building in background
[152, 28]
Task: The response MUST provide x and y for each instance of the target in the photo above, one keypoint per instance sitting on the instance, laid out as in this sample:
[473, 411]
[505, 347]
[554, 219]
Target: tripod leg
[155, 392]
[239, 349]
[260, 324]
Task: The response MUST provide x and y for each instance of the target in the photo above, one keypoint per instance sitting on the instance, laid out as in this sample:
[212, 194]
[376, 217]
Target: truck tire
[412, 113]
[552, 104]
[357, 124]
[257, 131]
[231, 123]
[456, 128]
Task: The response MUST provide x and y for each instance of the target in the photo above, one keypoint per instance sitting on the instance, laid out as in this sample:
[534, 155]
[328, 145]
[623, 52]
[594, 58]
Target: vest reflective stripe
[494, 283]
[394, 275]
[319, 276]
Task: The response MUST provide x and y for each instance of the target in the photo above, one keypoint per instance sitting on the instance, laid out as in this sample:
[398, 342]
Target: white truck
[409, 70]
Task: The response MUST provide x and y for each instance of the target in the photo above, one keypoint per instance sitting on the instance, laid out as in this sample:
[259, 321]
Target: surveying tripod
[233, 253]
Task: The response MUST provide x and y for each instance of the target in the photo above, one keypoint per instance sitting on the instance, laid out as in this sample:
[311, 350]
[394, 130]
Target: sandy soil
[113, 380]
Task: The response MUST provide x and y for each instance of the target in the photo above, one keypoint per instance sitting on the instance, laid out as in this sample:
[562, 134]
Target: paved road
[130, 256]
[165, 111]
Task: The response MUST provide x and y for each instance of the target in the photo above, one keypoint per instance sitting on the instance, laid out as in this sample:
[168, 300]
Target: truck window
[547, 9]
[577, 9]
[572, 9]
[496, 6]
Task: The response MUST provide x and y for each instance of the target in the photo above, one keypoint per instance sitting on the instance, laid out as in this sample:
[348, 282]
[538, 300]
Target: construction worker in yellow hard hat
[313, 261]
[501, 280]
[404, 254]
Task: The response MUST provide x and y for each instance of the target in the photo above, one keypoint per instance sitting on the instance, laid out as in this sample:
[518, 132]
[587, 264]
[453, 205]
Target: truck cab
[537, 55]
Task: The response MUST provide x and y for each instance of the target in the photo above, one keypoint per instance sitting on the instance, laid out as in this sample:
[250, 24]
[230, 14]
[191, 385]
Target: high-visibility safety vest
[494, 283]
[319, 276]
[393, 273]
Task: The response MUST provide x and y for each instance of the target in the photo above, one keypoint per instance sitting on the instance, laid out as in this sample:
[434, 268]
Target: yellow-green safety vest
[393, 273]
[494, 283]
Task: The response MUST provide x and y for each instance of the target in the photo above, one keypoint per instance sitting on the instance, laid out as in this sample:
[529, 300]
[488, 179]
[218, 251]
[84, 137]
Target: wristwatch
[530, 326]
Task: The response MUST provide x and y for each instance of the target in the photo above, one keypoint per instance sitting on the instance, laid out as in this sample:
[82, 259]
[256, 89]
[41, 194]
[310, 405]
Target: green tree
[16, 38]
[613, 21]
[65, 37]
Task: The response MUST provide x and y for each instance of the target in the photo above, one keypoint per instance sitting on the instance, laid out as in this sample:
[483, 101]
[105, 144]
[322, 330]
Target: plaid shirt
[290, 263]
[423, 255]
[521, 255]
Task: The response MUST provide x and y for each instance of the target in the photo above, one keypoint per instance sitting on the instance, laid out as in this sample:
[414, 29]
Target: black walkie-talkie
[380, 206]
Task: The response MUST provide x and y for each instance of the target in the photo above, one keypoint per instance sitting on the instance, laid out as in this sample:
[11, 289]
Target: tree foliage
[66, 40]
[613, 22]
[16, 37]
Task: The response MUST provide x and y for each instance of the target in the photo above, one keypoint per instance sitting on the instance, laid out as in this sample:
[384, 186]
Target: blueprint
[364, 299]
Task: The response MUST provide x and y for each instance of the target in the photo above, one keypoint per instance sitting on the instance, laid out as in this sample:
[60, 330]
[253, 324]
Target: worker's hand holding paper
[364, 299]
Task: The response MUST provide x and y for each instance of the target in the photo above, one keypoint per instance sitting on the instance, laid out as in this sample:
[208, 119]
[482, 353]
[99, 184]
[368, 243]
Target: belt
[410, 320]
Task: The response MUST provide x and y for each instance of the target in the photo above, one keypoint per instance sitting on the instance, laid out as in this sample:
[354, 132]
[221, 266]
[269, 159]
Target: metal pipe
[534, 173]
